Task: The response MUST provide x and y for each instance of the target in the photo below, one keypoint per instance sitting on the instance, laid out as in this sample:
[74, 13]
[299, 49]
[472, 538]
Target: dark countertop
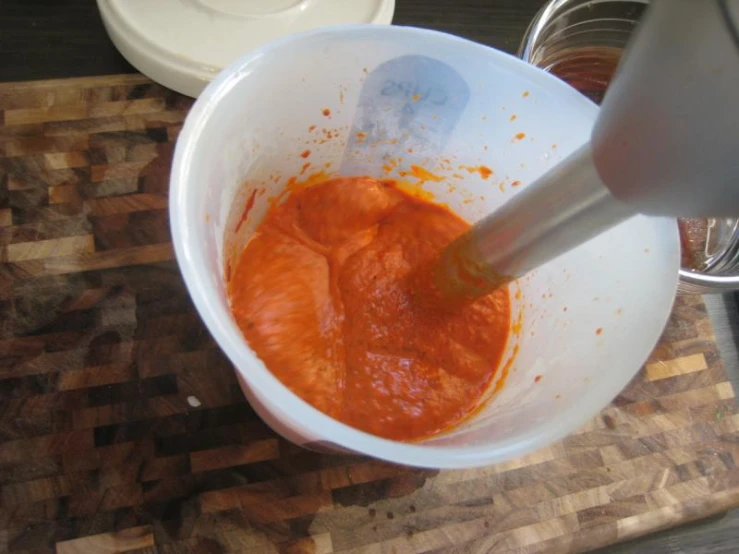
[43, 39]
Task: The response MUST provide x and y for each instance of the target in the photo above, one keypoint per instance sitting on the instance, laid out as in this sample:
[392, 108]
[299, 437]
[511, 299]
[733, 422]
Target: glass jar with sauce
[581, 42]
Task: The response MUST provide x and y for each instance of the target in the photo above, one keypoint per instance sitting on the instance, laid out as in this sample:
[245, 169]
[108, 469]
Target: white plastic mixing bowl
[355, 99]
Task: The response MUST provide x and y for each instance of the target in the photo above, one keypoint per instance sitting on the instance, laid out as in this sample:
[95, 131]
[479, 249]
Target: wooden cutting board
[122, 428]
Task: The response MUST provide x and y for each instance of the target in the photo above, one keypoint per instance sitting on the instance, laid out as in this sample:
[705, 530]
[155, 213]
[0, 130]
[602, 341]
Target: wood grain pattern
[122, 428]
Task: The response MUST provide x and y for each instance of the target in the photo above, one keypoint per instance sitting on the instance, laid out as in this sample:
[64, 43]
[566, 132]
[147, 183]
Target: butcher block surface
[123, 429]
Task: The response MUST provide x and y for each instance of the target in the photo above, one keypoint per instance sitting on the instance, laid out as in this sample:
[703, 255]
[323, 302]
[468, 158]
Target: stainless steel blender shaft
[562, 209]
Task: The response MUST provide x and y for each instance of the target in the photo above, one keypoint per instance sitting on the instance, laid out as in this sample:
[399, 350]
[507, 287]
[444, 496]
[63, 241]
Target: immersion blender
[666, 143]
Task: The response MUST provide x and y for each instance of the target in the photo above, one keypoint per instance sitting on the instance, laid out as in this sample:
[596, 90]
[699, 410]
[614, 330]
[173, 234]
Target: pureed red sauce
[322, 295]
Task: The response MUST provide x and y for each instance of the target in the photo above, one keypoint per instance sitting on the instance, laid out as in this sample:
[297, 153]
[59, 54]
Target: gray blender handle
[666, 141]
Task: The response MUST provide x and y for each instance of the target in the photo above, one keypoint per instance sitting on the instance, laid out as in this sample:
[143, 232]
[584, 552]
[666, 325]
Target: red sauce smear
[424, 174]
[305, 153]
[485, 171]
[326, 112]
[332, 312]
[247, 209]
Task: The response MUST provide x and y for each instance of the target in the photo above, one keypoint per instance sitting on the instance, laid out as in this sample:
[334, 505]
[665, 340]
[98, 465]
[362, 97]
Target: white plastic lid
[184, 44]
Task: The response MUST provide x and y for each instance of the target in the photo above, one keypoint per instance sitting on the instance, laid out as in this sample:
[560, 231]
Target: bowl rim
[270, 391]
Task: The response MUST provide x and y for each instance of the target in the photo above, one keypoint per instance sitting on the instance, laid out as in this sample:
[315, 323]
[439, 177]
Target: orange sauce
[323, 295]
